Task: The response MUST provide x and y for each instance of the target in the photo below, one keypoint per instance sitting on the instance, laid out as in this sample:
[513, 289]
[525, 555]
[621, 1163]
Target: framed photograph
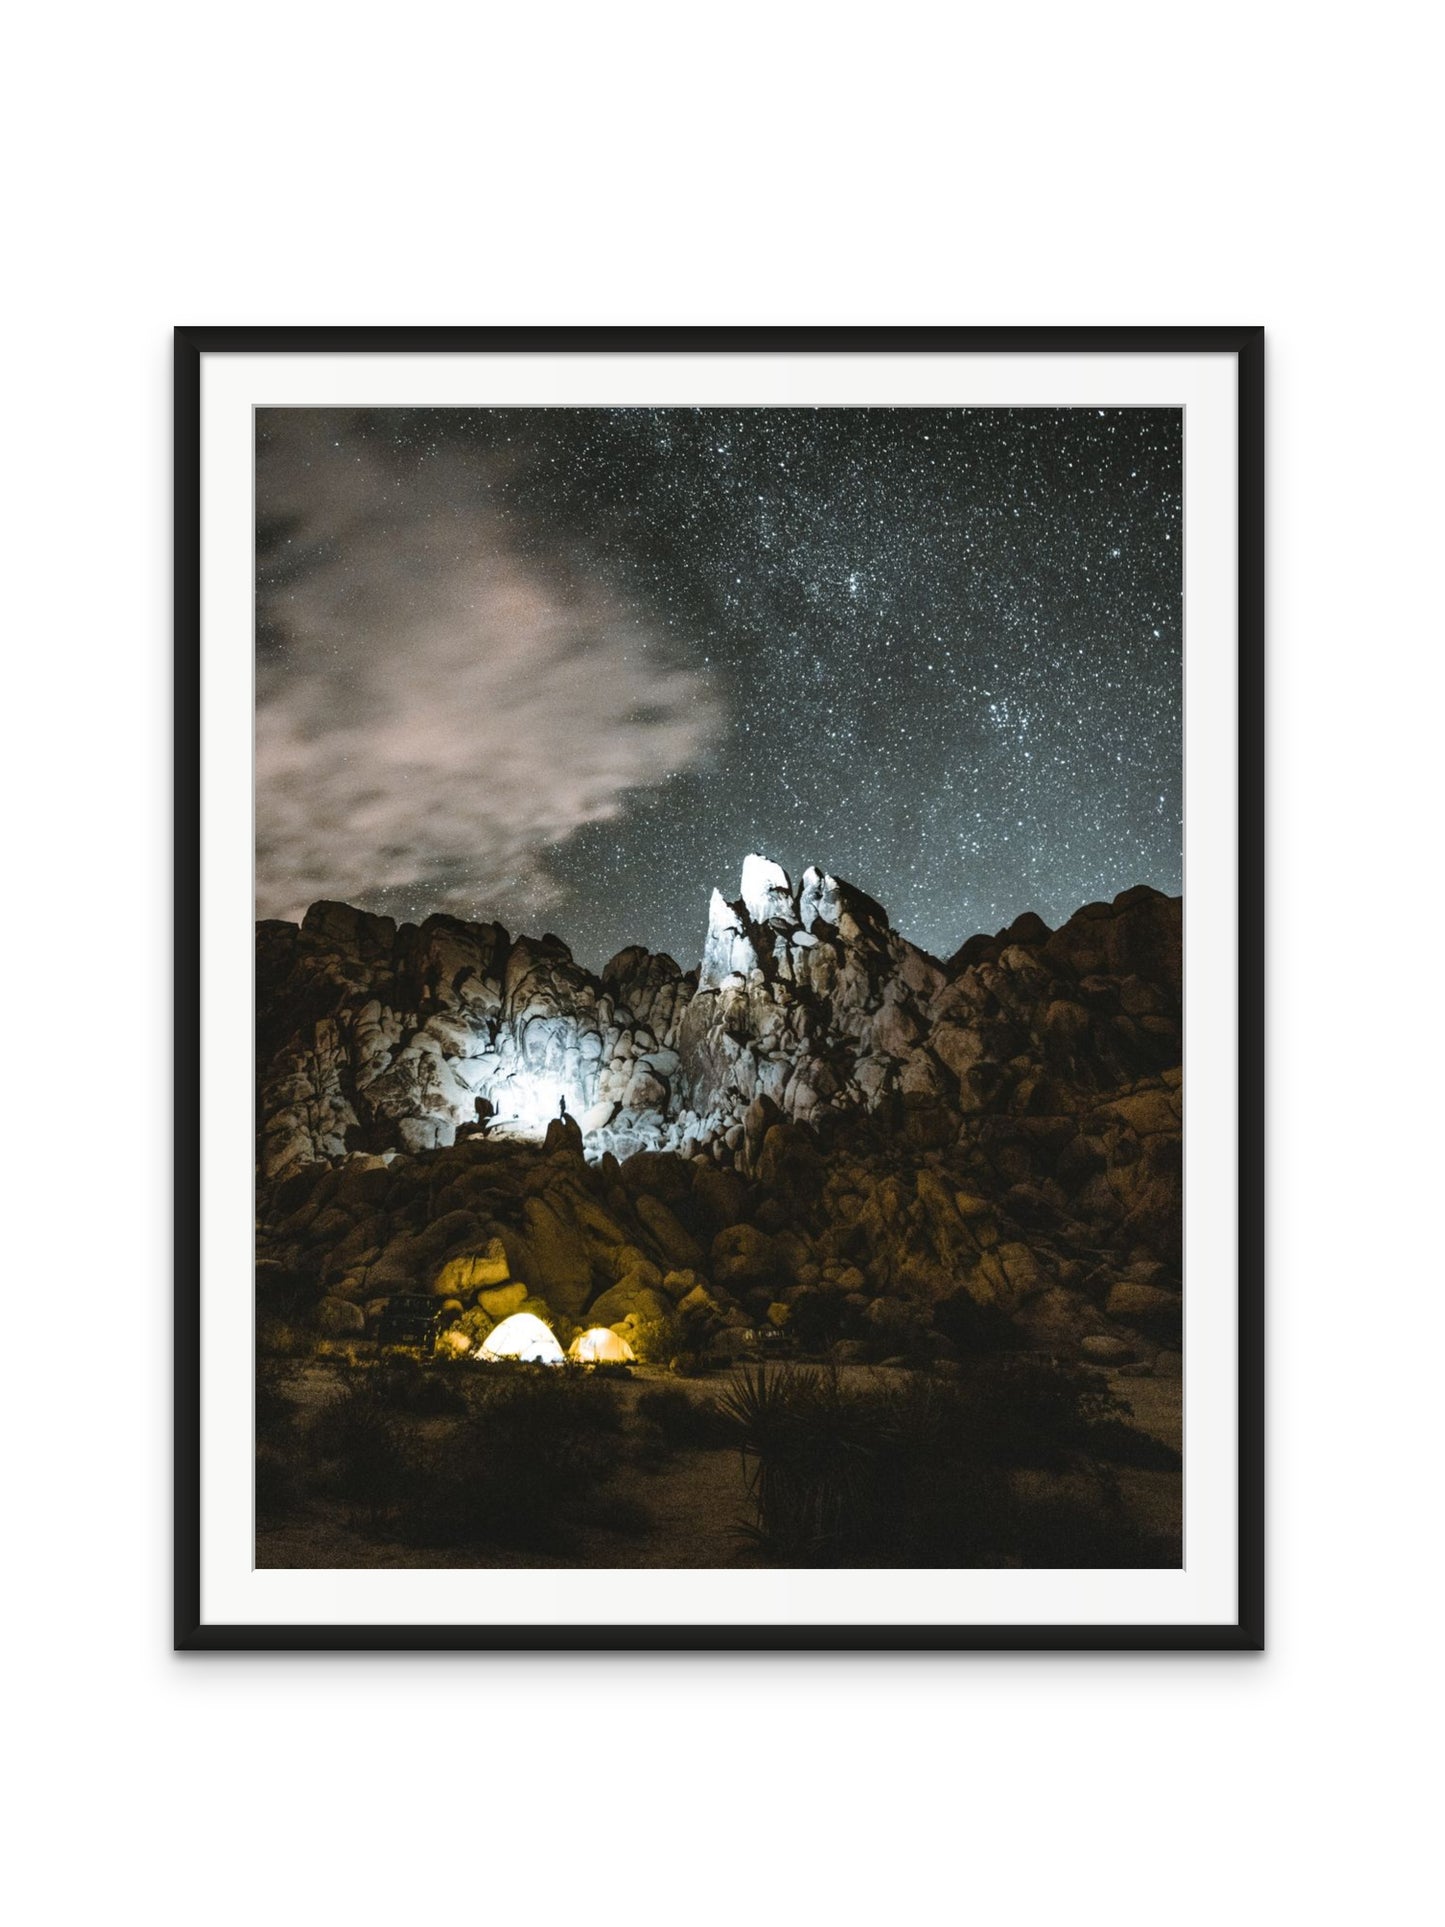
[719, 964]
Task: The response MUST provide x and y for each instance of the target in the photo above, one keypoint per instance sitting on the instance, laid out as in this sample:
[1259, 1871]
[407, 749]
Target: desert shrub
[1035, 1410]
[281, 1338]
[820, 1317]
[424, 1391]
[678, 1420]
[348, 1351]
[653, 1340]
[1073, 1529]
[913, 1470]
[616, 1512]
[515, 1465]
[355, 1445]
[476, 1324]
[274, 1409]
[519, 1471]
[278, 1479]
[278, 1485]
[973, 1327]
[816, 1452]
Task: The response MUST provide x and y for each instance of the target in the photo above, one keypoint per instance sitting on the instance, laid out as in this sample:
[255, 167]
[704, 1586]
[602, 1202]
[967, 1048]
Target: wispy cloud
[443, 695]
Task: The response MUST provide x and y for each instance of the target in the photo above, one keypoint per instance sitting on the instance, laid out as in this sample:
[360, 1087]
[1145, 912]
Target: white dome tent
[524, 1339]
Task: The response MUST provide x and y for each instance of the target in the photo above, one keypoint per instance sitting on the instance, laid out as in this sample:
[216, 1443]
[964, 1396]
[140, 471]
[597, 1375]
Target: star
[564, 667]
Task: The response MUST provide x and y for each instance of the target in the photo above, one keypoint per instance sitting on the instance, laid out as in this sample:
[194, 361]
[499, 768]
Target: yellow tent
[524, 1338]
[600, 1347]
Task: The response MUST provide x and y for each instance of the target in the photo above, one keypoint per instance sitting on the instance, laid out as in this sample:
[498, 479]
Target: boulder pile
[822, 1130]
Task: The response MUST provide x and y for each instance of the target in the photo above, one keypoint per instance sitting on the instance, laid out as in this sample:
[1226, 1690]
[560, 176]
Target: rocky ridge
[374, 1038]
[822, 1127]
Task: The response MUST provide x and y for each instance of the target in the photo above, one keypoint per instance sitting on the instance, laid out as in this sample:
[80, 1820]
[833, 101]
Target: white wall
[285, 162]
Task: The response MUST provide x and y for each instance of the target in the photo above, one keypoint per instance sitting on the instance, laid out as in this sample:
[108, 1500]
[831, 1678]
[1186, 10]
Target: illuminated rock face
[826, 1017]
[376, 1040]
[727, 949]
[817, 898]
[767, 893]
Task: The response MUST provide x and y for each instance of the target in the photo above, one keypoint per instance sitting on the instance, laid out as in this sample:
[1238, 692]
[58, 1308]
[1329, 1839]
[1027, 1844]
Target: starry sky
[567, 667]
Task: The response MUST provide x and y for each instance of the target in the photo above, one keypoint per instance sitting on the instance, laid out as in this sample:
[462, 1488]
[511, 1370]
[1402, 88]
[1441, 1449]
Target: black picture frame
[1246, 344]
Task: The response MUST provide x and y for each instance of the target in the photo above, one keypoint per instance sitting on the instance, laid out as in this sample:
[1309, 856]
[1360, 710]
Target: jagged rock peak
[767, 893]
[817, 898]
[728, 950]
[770, 919]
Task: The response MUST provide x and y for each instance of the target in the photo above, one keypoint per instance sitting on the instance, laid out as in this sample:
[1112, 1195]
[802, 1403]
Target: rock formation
[822, 1115]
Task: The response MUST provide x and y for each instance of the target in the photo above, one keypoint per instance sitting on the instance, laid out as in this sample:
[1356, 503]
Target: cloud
[443, 692]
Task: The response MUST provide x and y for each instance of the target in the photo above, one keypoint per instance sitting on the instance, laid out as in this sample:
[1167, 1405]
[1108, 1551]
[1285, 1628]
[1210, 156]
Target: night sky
[567, 667]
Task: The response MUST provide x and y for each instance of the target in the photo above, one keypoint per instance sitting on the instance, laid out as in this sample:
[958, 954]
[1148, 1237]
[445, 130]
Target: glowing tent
[600, 1347]
[524, 1338]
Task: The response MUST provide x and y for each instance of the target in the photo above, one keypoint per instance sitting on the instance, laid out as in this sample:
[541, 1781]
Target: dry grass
[664, 1490]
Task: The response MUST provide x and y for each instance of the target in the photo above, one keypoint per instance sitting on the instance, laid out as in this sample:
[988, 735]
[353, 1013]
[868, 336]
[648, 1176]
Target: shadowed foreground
[1015, 1462]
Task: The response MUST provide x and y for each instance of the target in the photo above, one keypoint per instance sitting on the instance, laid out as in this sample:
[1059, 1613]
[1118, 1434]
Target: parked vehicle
[410, 1320]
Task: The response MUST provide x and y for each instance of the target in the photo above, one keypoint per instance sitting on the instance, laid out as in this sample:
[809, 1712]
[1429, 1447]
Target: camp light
[599, 1346]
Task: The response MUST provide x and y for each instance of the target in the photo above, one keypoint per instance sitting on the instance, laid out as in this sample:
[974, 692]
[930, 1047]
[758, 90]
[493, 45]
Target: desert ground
[675, 1489]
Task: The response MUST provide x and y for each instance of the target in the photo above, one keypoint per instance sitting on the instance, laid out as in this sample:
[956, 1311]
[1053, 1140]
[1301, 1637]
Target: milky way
[566, 667]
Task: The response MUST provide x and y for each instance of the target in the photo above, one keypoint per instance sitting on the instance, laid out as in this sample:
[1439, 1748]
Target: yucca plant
[888, 1470]
[808, 1446]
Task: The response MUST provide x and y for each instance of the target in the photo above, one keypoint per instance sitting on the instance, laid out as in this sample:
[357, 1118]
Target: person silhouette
[562, 1108]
